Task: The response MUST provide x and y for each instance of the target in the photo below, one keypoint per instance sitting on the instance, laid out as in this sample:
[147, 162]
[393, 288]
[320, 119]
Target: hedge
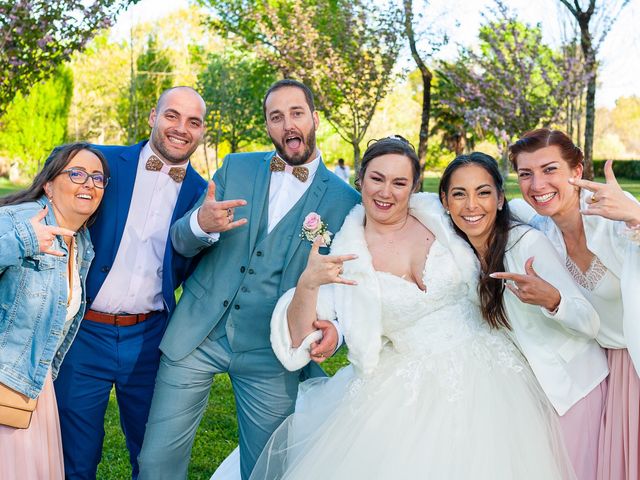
[622, 168]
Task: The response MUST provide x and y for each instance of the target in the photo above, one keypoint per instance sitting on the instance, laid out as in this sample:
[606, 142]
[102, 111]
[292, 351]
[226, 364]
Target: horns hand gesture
[46, 234]
[531, 288]
[216, 217]
[608, 199]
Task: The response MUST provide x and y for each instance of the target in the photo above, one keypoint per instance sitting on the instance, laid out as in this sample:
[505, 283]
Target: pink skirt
[34, 453]
[619, 447]
[580, 427]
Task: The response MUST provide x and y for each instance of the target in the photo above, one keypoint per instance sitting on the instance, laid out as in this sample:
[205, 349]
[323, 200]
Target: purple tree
[512, 83]
[38, 35]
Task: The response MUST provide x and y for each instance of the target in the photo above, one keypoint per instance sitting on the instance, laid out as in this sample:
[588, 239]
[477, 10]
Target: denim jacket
[33, 298]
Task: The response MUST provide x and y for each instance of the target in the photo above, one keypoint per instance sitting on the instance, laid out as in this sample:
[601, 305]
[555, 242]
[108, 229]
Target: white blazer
[560, 347]
[610, 241]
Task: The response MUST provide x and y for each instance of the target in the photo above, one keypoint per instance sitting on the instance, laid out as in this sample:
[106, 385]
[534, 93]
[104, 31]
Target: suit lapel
[311, 203]
[259, 199]
[127, 166]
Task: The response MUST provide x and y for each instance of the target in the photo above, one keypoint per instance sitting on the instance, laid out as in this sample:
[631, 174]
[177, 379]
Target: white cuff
[558, 313]
[340, 336]
[198, 232]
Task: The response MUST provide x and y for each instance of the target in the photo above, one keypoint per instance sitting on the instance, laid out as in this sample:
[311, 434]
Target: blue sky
[619, 74]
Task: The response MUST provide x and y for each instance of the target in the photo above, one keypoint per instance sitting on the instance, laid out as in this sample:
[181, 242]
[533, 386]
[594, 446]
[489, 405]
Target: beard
[301, 158]
[159, 143]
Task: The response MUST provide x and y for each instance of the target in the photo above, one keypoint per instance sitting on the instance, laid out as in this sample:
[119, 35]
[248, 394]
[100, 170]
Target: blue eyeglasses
[80, 177]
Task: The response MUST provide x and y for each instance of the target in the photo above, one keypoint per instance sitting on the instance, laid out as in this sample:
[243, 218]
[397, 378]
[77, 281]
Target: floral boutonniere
[314, 227]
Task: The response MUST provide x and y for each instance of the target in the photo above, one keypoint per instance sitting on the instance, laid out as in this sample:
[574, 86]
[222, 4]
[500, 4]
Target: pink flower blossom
[312, 222]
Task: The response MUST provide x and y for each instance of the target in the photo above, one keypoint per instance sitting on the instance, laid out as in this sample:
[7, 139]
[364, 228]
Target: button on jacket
[33, 299]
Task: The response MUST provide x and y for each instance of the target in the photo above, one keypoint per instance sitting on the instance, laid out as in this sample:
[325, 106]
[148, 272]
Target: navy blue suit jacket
[106, 232]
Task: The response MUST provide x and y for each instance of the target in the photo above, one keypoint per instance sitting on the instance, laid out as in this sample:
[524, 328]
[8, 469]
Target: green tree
[35, 123]
[233, 86]
[38, 35]
[345, 50]
[151, 75]
[100, 74]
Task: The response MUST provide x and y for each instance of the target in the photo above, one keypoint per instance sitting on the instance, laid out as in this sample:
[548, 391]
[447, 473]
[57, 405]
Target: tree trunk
[427, 77]
[504, 161]
[356, 156]
[589, 127]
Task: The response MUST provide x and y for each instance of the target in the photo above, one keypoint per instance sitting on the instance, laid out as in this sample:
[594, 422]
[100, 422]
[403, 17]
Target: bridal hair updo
[534, 140]
[390, 145]
[490, 290]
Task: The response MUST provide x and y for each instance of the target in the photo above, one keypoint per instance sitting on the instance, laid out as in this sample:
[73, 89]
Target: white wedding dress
[448, 398]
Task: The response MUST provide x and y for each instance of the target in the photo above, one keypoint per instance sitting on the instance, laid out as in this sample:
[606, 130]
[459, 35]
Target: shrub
[622, 168]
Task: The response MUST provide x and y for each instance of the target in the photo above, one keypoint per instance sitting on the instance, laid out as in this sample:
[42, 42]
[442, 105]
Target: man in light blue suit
[247, 231]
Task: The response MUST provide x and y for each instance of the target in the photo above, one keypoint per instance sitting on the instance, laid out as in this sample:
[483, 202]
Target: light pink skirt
[619, 449]
[580, 427]
[34, 453]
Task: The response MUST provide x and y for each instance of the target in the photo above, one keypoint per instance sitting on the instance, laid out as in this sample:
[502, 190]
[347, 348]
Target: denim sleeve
[17, 240]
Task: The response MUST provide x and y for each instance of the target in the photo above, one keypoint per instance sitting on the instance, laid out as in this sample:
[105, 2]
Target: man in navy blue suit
[131, 283]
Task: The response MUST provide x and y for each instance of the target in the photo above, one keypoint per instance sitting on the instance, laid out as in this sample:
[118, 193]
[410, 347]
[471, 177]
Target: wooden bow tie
[279, 165]
[154, 164]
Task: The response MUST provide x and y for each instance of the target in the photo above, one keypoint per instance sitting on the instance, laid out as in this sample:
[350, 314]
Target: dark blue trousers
[100, 357]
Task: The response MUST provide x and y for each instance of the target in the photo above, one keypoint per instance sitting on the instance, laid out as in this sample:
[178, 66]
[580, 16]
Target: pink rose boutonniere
[314, 227]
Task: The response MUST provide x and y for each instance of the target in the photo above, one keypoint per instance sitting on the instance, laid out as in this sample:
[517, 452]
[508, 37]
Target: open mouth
[472, 219]
[177, 140]
[293, 142]
[382, 205]
[84, 196]
[544, 198]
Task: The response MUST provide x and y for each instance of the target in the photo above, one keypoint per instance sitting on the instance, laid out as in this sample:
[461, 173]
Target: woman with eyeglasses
[45, 252]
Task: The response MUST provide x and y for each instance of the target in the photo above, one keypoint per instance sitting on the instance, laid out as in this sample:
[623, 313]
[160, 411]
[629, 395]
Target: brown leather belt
[120, 320]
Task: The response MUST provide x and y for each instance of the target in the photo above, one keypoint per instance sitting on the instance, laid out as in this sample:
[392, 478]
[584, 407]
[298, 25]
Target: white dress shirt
[134, 283]
[284, 192]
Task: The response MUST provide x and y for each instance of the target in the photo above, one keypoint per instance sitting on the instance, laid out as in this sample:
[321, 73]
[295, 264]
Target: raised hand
[46, 234]
[530, 287]
[608, 199]
[324, 269]
[216, 217]
[323, 349]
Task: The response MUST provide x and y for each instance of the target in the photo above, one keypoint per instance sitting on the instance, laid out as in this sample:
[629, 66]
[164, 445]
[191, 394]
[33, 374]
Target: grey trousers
[264, 392]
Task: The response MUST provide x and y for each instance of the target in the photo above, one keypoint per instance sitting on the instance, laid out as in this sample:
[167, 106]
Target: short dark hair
[393, 144]
[288, 82]
[166, 92]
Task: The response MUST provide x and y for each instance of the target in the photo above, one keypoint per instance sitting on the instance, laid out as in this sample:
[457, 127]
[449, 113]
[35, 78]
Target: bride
[432, 391]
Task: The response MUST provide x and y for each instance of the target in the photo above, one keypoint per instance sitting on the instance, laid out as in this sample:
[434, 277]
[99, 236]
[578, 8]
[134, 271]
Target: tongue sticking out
[294, 143]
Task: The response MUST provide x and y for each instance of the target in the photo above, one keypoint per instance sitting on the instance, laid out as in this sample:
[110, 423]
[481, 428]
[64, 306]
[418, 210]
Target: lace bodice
[589, 279]
[434, 321]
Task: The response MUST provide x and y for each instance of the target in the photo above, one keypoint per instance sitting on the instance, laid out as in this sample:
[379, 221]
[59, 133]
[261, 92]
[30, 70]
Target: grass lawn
[218, 434]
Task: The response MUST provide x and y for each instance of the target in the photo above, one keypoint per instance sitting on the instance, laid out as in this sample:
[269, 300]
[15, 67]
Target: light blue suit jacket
[225, 265]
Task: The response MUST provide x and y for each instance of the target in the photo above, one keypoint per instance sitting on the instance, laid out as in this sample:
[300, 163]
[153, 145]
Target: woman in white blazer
[595, 228]
[550, 320]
